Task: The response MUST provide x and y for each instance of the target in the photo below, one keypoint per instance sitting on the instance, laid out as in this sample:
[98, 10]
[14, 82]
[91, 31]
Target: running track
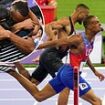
[12, 93]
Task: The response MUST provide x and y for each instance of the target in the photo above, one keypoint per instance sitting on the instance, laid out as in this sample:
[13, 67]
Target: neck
[90, 35]
[74, 17]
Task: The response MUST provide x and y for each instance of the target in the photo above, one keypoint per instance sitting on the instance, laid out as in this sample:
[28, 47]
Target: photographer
[16, 44]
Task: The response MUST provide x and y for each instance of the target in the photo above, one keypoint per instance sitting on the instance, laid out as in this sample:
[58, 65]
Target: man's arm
[26, 45]
[26, 24]
[99, 75]
[35, 20]
[22, 70]
[73, 39]
[33, 17]
[3, 33]
[31, 22]
[89, 63]
[52, 29]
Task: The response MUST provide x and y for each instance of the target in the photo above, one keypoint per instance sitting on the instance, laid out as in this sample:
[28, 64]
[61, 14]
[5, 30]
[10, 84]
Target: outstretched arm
[73, 39]
[98, 74]
[42, 95]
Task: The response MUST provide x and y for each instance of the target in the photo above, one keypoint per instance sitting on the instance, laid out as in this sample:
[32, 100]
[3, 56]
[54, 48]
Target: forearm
[26, 45]
[89, 63]
[33, 17]
[3, 37]
[68, 41]
[4, 33]
[47, 44]
[54, 43]
[29, 86]
[22, 70]
[49, 32]
[35, 21]
[36, 29]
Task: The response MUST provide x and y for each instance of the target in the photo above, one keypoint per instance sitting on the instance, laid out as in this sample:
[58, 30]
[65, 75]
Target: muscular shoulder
[59, 24]
[64, 21]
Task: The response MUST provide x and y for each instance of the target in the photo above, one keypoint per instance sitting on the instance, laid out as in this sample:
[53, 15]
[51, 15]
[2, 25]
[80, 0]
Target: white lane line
[73, 104]
[7, 80]
[35, 103]
[13, 89]
[98, 68]
[17, 99]
[99, 89]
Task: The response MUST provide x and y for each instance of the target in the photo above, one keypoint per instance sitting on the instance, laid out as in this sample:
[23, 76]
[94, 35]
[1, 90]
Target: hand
[99, 75]
[4, 34]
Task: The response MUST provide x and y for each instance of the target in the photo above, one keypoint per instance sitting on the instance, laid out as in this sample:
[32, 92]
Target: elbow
[38, 97]
[29, 49]
[39, 100]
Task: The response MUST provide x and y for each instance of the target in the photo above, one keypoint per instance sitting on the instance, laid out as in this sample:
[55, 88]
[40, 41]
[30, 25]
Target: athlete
[16, 39]
[26, 21]
[80, 46]
[51, 59]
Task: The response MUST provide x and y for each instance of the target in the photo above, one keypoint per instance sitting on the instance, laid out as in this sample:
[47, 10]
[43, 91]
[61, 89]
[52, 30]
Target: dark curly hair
[22, 7]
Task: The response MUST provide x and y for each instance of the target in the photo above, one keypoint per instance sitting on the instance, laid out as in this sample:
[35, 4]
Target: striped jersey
[9, 51]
